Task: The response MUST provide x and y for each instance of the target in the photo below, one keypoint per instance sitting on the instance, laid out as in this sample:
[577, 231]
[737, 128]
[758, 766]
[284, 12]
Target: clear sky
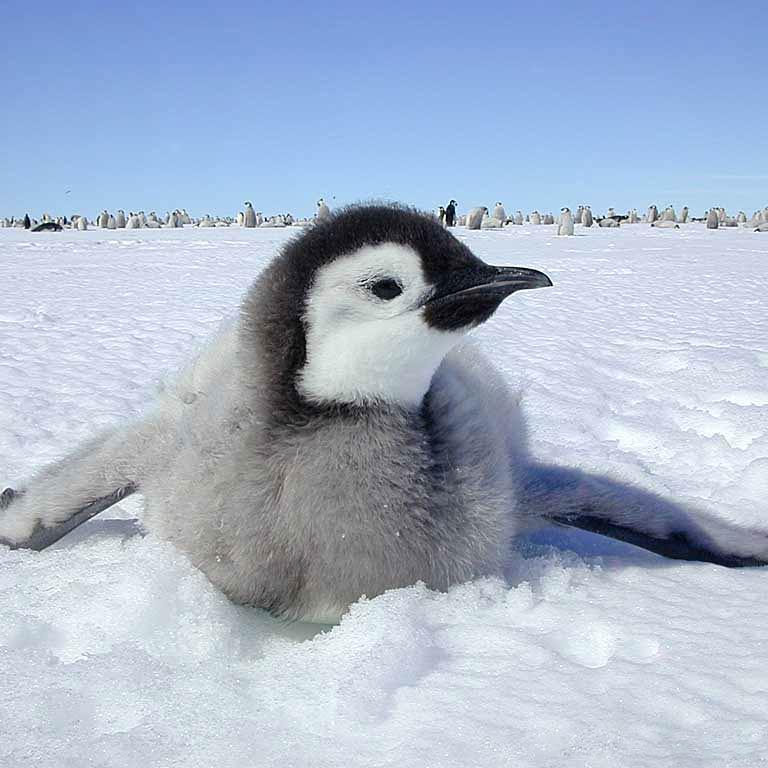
[163, 105]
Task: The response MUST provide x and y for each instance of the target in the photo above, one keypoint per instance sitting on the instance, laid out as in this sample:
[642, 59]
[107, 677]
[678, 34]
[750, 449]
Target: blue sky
[203, 106]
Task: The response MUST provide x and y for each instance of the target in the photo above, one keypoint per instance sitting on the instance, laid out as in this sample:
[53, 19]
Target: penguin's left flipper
[621, 511]
[675, 546]
[43, 536]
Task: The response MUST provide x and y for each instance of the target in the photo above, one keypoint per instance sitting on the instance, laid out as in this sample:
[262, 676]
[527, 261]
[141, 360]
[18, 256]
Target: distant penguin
[611, 213]
[475, 217]
[172, 220]
[489, 222]
[565, 224]
[713, 220]
[499, 213]
[608, 223]
[450, 214]
[578, 215]
[519, 218]
[103, 220]
[133, 222]
[82, 223]
[721, 215]
[111, 222]
[665, 224]
[669, 214]
[120, 219]
[587, 219]
[653, 214]
[633, 218]
[535, 218]
[47, 226]
[241, 218]
[762, 227]
[249, 216]
[549, 219]
[27, 221]
[323, 211]
[683, 218]
[259, 218]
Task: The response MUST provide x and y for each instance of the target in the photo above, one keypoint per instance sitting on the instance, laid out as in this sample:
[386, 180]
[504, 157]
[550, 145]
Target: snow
[647, 361]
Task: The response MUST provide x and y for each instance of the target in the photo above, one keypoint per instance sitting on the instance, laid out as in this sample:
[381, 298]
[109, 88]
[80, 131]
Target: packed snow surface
[648, 361]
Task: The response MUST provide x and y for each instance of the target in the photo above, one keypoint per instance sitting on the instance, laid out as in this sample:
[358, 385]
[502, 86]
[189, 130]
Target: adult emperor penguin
[338, 440]
[249, 216]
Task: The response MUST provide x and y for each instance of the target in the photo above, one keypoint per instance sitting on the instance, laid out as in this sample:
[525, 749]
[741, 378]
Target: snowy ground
[647, 361]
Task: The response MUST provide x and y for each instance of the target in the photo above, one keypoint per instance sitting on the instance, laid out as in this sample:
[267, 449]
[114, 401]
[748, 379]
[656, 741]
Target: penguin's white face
[366, 335]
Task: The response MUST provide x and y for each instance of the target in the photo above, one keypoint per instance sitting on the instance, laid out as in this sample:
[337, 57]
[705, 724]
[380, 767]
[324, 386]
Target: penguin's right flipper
[43, 536]
[65, 494]
[604, 506]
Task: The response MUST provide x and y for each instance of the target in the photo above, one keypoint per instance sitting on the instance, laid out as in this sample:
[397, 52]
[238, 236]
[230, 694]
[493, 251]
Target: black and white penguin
[450, 214]
[339, 439]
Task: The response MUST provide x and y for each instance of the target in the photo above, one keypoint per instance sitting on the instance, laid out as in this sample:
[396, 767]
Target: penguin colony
[476, 218]
[339, 439]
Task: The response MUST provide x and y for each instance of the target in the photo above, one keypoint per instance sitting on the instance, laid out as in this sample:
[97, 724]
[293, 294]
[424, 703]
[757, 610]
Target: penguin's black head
[364, 305]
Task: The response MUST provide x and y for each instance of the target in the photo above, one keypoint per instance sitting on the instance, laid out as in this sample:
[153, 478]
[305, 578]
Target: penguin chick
[565, 222]
[330, 444]
[339, 440]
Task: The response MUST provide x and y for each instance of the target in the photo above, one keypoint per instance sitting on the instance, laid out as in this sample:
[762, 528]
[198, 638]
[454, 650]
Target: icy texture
[647, 361]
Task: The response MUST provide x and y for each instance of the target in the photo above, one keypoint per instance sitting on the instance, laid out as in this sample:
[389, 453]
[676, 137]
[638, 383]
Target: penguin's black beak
[468, 297]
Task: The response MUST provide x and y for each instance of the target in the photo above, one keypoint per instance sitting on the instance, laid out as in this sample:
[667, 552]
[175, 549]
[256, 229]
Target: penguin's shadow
[104, 528]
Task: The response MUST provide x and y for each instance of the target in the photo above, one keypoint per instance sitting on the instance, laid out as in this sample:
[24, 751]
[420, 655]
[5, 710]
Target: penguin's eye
[387, 288]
